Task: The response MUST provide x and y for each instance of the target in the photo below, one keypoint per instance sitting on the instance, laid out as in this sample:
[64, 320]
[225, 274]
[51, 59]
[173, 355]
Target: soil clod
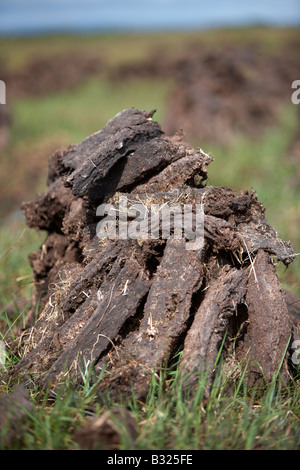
[127, 305]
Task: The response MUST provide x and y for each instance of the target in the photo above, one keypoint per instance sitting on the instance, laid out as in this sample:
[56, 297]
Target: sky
[19, 17]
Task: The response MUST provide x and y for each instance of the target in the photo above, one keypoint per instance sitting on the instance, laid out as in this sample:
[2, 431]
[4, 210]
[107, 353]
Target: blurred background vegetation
[229, 90]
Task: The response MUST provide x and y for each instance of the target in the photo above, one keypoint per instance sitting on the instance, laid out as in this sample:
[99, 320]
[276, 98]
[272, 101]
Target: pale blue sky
[37, 16]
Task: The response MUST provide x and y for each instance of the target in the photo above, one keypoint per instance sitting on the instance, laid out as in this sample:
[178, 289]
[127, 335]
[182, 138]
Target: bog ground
[230, 93]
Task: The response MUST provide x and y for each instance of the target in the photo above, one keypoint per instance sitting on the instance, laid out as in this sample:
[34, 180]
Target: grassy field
[123, 48]
[234, 417]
